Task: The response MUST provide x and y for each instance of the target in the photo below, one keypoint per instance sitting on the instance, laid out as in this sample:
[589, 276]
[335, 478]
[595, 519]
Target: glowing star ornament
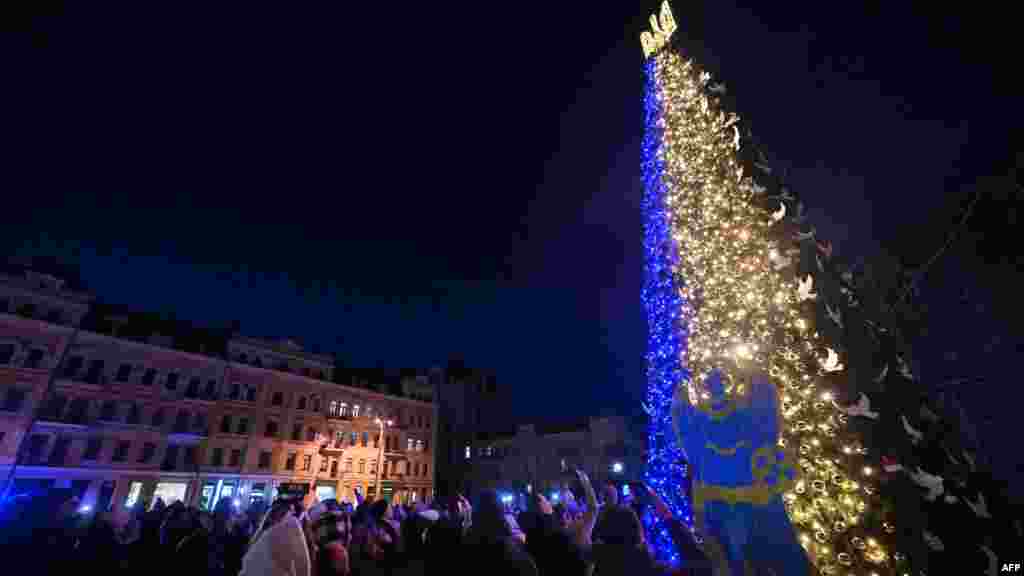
[662, 27]
[831, 361]
[805, 289]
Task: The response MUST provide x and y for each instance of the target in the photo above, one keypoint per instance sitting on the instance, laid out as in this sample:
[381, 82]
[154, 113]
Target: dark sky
[405, 181]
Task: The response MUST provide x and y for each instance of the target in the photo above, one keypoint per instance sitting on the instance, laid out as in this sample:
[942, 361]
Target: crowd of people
[586, 537]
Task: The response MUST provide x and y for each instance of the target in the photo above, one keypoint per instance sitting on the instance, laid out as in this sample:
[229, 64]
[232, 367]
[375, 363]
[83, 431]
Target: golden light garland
[747, 317]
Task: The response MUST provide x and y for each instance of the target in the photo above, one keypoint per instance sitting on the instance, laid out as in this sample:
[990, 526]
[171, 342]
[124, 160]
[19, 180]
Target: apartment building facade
[132, 419]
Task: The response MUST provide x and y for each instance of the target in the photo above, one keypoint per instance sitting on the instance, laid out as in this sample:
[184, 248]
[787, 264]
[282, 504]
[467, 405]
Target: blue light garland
[666, 470]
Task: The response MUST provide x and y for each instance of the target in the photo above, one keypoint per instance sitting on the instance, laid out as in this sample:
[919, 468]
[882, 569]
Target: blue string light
[665, 307]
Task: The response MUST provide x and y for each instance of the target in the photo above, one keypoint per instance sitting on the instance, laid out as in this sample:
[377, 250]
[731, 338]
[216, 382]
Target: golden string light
[749, 316]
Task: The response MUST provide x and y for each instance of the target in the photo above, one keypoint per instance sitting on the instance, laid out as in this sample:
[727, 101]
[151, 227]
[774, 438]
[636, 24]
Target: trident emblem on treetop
[662, 27]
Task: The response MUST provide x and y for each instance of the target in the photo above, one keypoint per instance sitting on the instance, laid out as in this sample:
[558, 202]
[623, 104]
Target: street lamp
[380, 455]
[617, 467]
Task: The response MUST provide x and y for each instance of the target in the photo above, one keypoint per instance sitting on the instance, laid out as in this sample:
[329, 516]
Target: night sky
[400, 184]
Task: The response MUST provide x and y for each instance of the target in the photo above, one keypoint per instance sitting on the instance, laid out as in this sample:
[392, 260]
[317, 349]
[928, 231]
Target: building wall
[530, 458]
[128, 416]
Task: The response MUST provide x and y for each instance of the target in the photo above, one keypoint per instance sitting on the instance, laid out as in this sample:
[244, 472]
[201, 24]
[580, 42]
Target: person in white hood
[280, 551]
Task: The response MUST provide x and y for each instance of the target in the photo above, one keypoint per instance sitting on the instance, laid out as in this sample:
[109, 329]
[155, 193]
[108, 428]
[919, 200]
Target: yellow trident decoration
[662, 27]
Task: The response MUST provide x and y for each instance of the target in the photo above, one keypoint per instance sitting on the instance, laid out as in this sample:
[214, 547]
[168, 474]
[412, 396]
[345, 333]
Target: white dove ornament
[805, 289]
[780, 213]
[835, 315]
[929, 482]
[861, 408]
[831, 362]
[915, 435]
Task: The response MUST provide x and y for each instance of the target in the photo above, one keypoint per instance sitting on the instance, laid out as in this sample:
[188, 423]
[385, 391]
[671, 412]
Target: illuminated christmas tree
[724, 302]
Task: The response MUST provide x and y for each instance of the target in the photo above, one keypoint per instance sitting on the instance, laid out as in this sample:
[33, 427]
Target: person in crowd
[493, 542]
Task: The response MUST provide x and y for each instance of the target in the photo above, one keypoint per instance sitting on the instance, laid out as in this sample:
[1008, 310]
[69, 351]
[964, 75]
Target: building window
[95, 373]
[243, 426]
[148, 451]
[170, 457]
[92, 448]
[36, 445]
[425, 469]
[355, 411]
[190, 457]
[124, 371]
[410, 444]
[334, 468]
[264, 460]
[218, 457]
[310, 434]
[348, 465]
[297, 432]
[339, 439]
[236, 458]
[323, 465]
[250, 394]
[149, 377]
[362, 466]
[316, 405]
[211, 390]
[199, 423]
[181, 422]
[73, 366]
[121, 452]
[353, 438]
[307, 462]
[6, 353]
[14, 400]
[332, 408]
[236, 391]
[301, 405]
[225, 424]
[277, 399]
[109, 411]
[134, 414]
[271, 430]
[158, 417]
[289, 463]
[35, 359]
[171, 383]
[193, 388]
[344, 409]
[373, 466]
[59, 452]
[366, 439]
[376, 441]
[419, 445]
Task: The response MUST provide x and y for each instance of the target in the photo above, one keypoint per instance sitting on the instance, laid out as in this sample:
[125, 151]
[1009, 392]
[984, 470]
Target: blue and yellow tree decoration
[738, 393]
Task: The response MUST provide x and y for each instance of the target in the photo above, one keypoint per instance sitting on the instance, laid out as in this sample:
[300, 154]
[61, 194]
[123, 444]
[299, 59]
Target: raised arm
[586, 527]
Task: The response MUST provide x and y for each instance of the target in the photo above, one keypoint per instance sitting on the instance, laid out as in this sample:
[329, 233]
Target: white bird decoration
[758, 189]
[876, 327]
[993, 562]
[831, 362]
[736, 138]
[979, 507]
[817, 260]
[970, 460]
[779, 214]
[763, 167]
[717, 88]
[904, 368]
[915, 435]
[646, 408]
[861, 408]
[705, 77]
[881, 375]
[835, 315]
[801, 236]
[805, 289]
[847, 276]
[933, 541]
[950, 457]
[930, 482]
[951, 499]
